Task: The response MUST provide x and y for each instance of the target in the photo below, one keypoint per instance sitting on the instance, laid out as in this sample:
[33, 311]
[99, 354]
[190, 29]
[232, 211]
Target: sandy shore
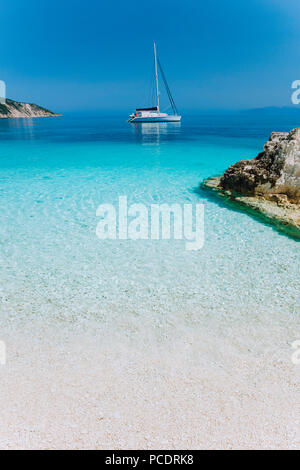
[84, 386]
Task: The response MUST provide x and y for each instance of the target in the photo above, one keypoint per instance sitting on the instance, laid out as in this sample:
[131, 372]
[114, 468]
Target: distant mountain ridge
[16, 109]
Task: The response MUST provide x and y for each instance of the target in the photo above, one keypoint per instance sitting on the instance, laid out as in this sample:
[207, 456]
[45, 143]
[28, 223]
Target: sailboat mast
[156, 77]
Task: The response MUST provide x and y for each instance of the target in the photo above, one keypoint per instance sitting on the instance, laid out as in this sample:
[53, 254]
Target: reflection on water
[23, 128]
[154, 131]
[89, 129]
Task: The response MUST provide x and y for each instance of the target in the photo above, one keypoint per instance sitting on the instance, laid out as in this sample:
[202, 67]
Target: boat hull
[156, 119]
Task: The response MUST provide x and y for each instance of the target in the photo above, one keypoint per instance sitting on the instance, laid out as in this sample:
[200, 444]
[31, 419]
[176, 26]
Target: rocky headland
[15, 109]
[268, 185]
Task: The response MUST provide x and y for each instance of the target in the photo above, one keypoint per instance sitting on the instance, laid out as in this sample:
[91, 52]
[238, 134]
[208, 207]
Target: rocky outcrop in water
[274, 173]
[15, 109]
[268, 185]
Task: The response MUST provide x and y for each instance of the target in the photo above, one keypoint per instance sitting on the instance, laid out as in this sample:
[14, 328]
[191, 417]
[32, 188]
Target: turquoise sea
[55, 173]
[233, 305]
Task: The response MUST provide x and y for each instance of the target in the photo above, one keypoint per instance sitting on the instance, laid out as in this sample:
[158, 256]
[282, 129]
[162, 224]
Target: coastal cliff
[268, 185]
[15, 109]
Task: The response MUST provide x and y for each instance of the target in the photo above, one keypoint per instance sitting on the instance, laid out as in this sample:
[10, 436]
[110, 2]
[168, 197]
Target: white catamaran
[154, 114]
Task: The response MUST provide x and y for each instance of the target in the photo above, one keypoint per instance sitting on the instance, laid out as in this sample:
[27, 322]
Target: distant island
[268, 185]
[15, 109]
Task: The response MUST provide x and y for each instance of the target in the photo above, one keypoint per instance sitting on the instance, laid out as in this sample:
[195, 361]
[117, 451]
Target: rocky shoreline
[267, 186]
[15, 109]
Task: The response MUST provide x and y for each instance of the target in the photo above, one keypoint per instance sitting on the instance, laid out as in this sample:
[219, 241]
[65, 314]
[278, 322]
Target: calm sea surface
[141, 343]
[55, 172]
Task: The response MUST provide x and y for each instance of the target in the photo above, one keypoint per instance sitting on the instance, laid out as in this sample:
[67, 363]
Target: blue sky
[224, 54]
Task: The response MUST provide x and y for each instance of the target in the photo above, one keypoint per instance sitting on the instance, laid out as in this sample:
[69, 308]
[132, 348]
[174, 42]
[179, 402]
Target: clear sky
[71, 54]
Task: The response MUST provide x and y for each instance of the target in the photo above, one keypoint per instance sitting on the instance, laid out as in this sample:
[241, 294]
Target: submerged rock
[268, 185]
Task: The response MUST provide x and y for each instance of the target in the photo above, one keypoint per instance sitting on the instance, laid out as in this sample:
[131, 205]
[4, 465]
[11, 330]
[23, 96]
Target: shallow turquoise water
[141, 344]
[53, 175]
